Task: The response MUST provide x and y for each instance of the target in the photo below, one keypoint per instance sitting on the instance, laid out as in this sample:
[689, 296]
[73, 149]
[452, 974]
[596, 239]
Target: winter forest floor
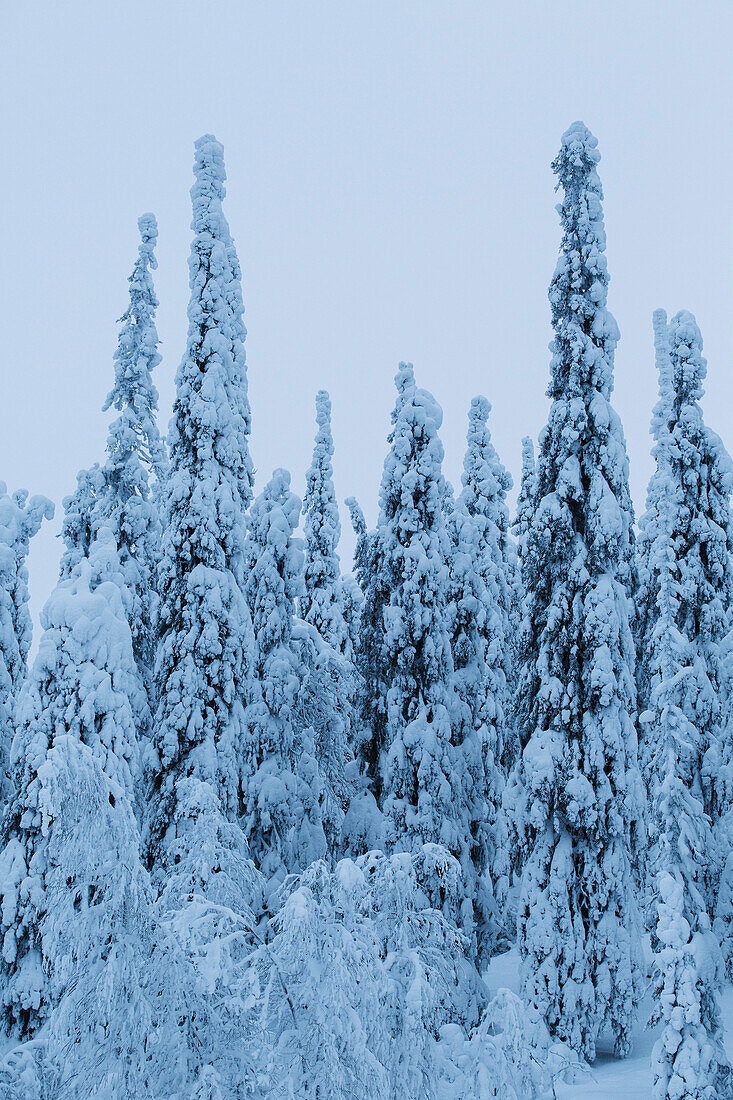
[609, 1078]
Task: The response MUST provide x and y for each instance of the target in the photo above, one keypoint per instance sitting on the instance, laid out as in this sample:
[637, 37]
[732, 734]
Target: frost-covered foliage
[85, 685]
[365, 993]
[202, 676]
[365, 974]
[322, 714]
[508, 1055]
[208, 930]
[118, 494]
[20, 520]
[283, 786]
[321, 602]
[322, 999]
[97, 936]
[356, 789]
[482, 576]
[581, 791]
[688, 1059]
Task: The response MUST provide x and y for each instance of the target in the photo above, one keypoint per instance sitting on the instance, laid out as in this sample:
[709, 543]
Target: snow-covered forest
[271, 827]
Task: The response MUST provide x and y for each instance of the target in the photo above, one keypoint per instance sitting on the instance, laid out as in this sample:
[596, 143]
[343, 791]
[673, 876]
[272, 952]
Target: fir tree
[420, 773]
[20, 520]
[491, 564]
[686, 964]
[85, 686]
[118, 494]
[481, 642]
[509, 825]
[413, 554]
[203, 668]
[688, 509]
[115, 1010]
[283, 785]
[369, 724]
[688, 1059]
[321, 602]
[578, 934]
[520, 528]
[206, 935]
[352, 603]
[525, 499]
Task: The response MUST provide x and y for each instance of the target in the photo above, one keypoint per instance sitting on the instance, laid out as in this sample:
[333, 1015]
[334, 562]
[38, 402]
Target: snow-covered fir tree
[352, 602]
[321, 603]
[483, 662]
[581, 796]
[688, 515]
[688, 1058]
[203, 669]
[420, 772]
[85, 685]
[207, 885]
[206, 933]
[283, 786]
[119, 494]
[370, 710]
[368, 976]
[20, 520]
[509, 826]
[525, 499]
[405, 629]
[520, 529]
[116, 1005]
[481, 640]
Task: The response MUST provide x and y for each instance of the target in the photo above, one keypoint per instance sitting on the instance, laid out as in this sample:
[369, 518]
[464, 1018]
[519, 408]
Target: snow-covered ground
[609, 1078]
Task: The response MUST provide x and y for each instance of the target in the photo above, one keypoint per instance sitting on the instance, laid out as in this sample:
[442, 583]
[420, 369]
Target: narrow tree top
[208, 190]
[689, 367]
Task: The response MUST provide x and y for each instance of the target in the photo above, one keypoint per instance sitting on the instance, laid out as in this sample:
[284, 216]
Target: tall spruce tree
[204, 661]
[283, 786]
[414, 552]
[420, 773]
[485, 486]
[482, 590]
[118, 494]
[84, 687]
[688, 504]
[578, 934]
[520, 530]
[369, 724]
[687, 962]
[114, 1028]
[20, 520]
[321, 603]
[525, 499]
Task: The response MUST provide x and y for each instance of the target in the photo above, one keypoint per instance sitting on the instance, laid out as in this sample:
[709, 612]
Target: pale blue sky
[390, 195]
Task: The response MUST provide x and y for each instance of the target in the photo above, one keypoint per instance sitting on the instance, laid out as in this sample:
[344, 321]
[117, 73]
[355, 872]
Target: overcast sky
[390, 195]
